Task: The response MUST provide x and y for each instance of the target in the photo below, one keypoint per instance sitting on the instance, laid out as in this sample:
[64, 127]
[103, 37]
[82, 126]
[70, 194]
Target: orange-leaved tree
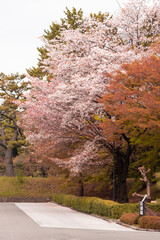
[132, 104]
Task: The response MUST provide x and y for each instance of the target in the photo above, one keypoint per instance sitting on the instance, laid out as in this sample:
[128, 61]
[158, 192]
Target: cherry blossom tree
[66, 107]
[77, 63]
[139, 21]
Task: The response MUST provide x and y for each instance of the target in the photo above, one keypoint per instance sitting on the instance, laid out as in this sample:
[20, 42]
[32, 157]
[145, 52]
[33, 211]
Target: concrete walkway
[55, 216]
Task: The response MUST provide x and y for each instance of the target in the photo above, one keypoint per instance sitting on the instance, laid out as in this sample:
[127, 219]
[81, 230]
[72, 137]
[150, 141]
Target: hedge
[154, 207]
[149, 222]
[94, 205]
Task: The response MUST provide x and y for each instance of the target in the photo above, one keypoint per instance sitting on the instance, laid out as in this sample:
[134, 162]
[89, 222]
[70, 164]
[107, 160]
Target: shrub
[154, 207]
[63, 199]
[20, 176]
[95, 205]
[102, 207]
[149, 222]
[129, 218]
[118, 210]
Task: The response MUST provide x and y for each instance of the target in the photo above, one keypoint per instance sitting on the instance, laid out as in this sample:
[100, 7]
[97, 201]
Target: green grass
[29, 187]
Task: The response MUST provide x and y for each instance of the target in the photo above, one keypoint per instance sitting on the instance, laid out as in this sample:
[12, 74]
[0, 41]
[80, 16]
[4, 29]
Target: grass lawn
[28, 187]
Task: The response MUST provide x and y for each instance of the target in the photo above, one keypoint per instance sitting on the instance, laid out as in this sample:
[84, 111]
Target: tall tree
[139, 21]
[66, 106]
[11, 136]
[132, 101]
[74, 19]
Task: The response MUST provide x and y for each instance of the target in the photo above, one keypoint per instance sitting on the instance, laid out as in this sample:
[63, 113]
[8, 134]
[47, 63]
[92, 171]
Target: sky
[22, 23]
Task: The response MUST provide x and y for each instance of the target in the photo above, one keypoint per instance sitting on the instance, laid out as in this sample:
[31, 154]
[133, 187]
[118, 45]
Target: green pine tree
[73, 18]
[12, 88]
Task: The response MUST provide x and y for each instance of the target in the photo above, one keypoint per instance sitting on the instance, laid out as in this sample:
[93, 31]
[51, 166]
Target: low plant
[154, 207]
[95, 205]
[149, 222]
[20, 176]
[98, 206]
[130, 218]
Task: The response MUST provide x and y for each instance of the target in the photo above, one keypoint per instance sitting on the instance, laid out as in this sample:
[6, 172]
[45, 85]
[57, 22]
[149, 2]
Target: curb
[25, 199]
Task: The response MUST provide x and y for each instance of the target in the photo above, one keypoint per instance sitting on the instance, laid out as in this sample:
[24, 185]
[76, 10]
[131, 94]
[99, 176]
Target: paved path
[55, 216]
[48, 221]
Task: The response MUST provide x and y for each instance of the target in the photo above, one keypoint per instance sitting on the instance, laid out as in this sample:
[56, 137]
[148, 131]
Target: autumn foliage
[133, 99]
[132, 106]
[149, 222]
[129, 218]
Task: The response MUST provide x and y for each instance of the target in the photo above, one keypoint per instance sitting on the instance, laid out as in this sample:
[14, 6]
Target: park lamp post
[113, 119]
[142, 207]
[114, 180]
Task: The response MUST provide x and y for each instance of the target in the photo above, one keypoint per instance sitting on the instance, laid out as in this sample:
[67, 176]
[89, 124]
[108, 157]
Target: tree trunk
[9, 162]
[122, 192]
[145, 179]
[80, 188]
[121, 160]
[122, 164]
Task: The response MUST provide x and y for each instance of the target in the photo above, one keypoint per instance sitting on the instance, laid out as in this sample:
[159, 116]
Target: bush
[102, 207]
[98, 206]
[149, 222]
[129, 218]
[63, 199]
[20, 176]
[95, 205]
[154, 207]
[119, 209]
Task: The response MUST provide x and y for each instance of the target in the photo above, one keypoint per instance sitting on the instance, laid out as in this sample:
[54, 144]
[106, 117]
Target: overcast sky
[22, 22]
